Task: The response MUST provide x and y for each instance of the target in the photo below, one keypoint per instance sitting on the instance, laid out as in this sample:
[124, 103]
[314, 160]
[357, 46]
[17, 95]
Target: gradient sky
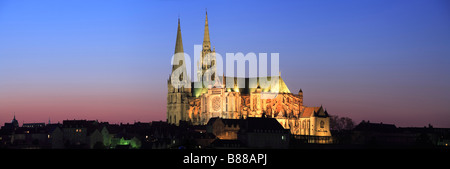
[379, 60]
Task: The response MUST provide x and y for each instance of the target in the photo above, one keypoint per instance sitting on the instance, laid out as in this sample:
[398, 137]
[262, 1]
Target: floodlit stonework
[198, 105]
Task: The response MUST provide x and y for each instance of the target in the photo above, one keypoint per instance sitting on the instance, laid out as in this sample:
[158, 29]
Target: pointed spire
[206, 42]
[179, 56]
[179, 43]
[14, 121]
[320, 109]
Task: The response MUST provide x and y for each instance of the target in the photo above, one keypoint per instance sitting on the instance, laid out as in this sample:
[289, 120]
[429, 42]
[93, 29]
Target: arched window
[322, 124]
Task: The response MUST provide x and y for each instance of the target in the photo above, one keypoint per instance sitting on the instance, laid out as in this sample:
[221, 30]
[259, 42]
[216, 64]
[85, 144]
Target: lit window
[48, 136]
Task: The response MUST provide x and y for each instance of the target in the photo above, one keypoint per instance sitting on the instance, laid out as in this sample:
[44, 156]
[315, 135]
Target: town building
[251, 132]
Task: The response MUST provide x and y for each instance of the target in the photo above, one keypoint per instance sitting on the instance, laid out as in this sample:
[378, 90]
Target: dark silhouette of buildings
[250, 132]
[218, 133]
[379, 135]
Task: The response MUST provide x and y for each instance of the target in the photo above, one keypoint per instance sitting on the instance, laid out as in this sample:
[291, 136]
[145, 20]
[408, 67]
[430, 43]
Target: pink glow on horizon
[115, 107]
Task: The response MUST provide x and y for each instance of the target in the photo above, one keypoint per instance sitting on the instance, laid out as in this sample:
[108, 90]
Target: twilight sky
[379, 60]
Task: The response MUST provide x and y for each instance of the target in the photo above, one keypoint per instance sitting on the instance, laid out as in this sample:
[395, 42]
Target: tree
[341, 123]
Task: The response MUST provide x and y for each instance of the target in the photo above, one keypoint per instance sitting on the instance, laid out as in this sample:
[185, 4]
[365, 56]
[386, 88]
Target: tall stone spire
[179, 43]
[178, 48]
[203, 64]
[179, 65]
[206, 42]
[178, 94]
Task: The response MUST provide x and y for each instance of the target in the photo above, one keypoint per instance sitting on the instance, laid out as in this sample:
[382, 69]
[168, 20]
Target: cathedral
[196, 105]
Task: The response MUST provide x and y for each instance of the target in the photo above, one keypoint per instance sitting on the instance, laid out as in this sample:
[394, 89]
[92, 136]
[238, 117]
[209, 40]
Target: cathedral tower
[206, 50]
[177, 96]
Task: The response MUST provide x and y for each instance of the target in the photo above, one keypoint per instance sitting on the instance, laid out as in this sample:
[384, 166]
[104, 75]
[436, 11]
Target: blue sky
[384, 61]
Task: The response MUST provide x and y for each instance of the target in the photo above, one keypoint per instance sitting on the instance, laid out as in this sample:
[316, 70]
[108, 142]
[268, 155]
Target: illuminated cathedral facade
[196, 105]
